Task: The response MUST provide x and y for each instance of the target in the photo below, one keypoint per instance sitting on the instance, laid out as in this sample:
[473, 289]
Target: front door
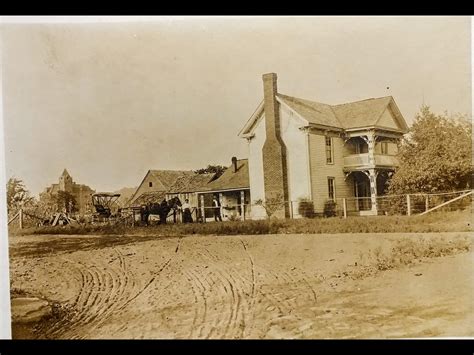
[362, 191]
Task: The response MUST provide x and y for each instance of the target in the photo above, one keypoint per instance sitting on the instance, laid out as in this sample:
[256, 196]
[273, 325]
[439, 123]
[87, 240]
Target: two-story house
[300, 149]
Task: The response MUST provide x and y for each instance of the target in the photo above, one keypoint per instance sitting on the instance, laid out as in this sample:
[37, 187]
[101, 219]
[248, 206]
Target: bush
[233, 217]
[306, 208]
[330, 208]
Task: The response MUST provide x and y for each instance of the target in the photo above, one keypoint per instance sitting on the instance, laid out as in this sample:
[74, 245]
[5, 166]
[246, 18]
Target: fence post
[21, 218]
[427, 203]
[344, 207]
[291, 209]
[242, 204]
[408, 205]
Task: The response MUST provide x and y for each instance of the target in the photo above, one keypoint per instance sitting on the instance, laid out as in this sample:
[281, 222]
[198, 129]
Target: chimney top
[234, 164]
[269, 76]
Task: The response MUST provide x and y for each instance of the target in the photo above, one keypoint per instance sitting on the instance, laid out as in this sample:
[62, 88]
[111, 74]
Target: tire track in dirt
[106, 298]
[253, 295]
[200, 303]
[105, 289]
[227, 294]
[155, 276]
[124, 301]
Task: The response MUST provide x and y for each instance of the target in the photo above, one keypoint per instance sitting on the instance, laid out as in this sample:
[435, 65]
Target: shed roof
[232, 180]
[191, 183]
[169, 177]
[149, 197]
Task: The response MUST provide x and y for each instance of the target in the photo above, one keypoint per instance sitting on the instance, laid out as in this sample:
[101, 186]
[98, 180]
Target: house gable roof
[252, 121]
[353, 115]
[313, 112]
[232, 180]
[361, 113]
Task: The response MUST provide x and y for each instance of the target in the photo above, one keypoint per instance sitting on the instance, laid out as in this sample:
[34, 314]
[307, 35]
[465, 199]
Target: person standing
[217, 209]
[187, 217]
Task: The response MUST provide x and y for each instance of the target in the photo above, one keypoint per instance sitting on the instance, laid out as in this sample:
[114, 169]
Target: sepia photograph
[238, 177]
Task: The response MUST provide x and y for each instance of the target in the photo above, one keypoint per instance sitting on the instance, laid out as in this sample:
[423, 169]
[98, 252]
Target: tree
[66, 201]
[435, 155]
[17, 195]
[218, 170]
[272, 204]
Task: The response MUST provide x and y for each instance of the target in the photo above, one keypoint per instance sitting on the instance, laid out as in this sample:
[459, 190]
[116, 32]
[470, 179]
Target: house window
[384, 146]
[329, 157]
[331, 189]
[150, 184]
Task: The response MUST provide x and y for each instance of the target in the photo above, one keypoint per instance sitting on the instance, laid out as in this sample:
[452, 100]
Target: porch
[234, 204]
[369, 185]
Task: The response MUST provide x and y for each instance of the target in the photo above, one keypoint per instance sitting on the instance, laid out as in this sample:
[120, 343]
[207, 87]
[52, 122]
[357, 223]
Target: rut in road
[104, 290]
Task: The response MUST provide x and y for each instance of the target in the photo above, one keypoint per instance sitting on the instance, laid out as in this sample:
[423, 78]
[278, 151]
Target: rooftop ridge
[370, 98]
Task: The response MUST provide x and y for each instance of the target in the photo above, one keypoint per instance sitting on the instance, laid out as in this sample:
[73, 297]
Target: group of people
[187, 210]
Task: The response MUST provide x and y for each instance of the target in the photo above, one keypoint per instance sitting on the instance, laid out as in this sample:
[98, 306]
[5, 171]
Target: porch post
[371, 148]
[221, 197]
[373, 189]
[242, 204]
[372, 172]
[203, 210]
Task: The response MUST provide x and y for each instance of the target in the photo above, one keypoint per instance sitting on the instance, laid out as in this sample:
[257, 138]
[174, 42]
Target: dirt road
[276, 286]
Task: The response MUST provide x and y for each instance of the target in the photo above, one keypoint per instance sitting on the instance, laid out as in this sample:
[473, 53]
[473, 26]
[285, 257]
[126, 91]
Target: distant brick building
[82, 193]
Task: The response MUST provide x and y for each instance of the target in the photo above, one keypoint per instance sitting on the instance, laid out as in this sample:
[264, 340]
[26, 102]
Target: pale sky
[109, 101]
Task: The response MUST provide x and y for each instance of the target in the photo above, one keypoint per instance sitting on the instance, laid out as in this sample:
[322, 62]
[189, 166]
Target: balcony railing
[362, 160]
[386, 160]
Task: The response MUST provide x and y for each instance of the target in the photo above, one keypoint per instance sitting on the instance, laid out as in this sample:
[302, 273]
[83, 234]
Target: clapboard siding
[320, 170]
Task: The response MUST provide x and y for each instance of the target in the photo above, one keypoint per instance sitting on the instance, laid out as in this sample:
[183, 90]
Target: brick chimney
[234, 164]
[274, 150]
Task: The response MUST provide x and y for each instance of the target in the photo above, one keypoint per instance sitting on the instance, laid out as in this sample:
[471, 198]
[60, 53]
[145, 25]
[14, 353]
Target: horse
[163, 209]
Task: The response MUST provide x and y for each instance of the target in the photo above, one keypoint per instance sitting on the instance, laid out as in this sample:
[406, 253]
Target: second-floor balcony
[361, 161]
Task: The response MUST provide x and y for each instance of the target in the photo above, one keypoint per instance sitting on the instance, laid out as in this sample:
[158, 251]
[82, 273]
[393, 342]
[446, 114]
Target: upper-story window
[329, 151]
[150, 184]
[384, 147]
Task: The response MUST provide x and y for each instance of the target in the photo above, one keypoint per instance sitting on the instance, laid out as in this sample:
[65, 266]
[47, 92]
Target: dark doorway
[362, 191]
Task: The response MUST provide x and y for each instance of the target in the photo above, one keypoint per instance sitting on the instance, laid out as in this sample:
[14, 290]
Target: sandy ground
[276, 286]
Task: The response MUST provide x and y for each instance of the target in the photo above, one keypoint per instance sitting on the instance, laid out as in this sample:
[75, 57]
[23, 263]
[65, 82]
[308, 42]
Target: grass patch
[458, 221]
[407, 251]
